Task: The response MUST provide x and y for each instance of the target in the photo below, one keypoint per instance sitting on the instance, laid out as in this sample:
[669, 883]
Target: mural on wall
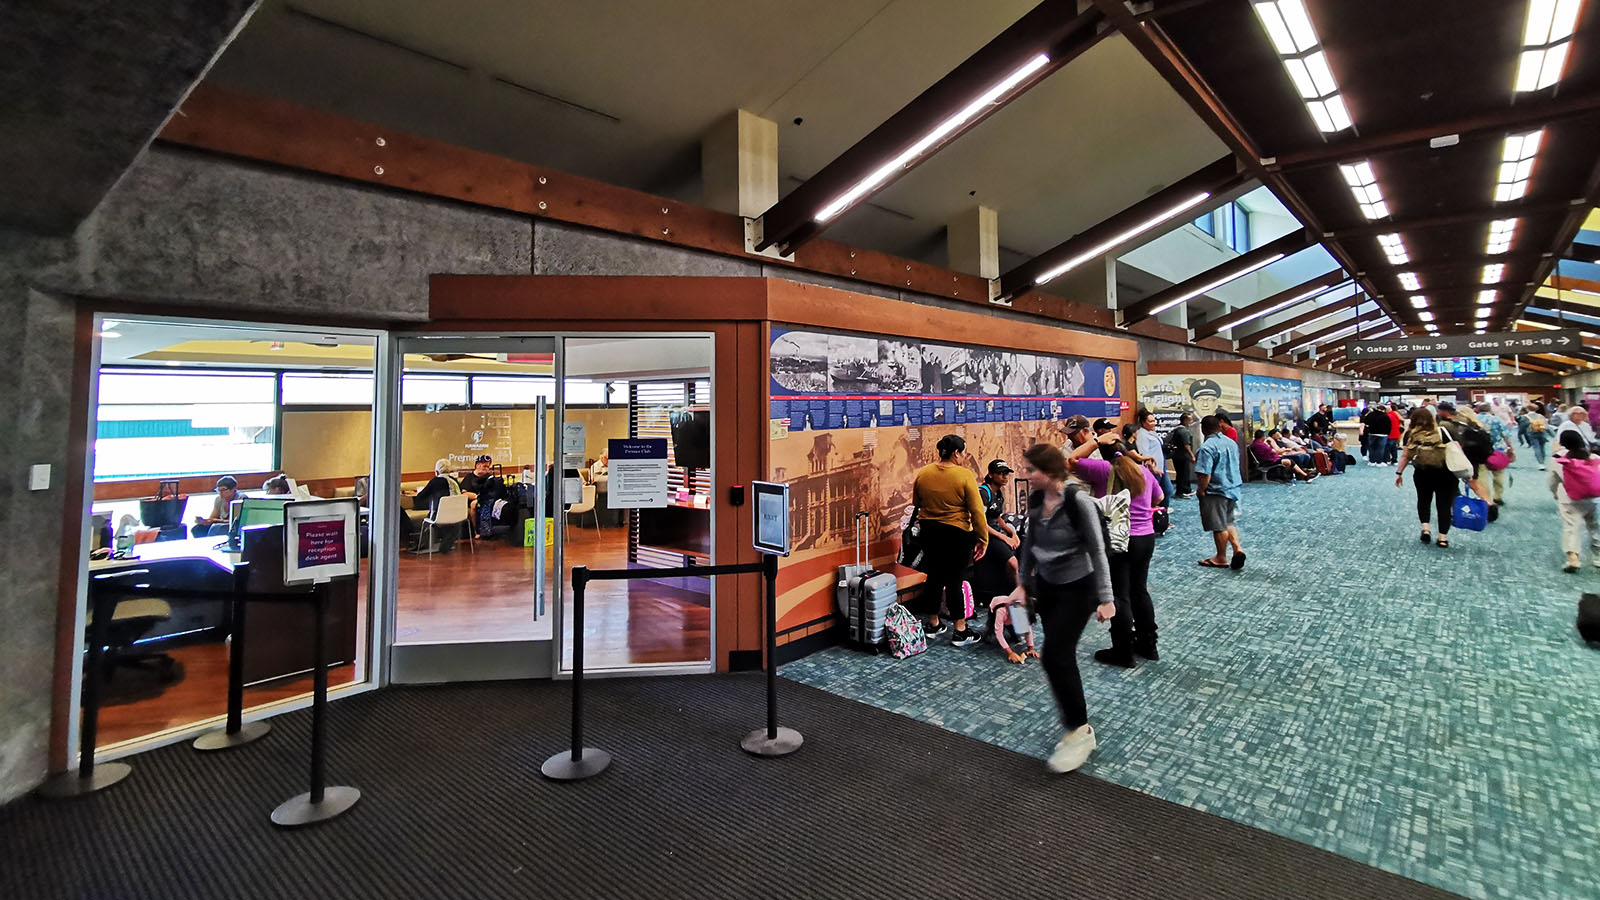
[1170, 396]
[853, 417]
[1314, 398]
[1271, 402]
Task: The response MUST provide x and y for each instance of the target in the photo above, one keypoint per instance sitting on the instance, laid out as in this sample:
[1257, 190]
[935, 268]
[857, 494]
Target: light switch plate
[39, 477]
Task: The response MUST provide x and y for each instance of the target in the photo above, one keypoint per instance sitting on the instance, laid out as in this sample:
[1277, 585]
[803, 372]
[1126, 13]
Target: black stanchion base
[222, 740]
[68, 785]
[298, 811]
[757, 742]
[562, 767]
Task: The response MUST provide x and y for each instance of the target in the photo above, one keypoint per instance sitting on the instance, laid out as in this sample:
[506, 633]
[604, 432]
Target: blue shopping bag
[1469, 513]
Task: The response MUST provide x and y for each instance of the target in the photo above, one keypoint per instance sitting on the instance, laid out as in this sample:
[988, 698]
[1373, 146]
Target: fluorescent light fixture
[1323, 340]
[1546, 40]
[927, 141]
[1487, 297]
[1419, 302]
[1432, 328]
[1501, 231]
[1289, 28]
[1394, 248]
[1122, 238]
[1492, 273]
[1482, 331]
[1409, 281]
[1364, 186]
[1215, 284]
[1314, 292]
[1425, 316]
[1516, 165]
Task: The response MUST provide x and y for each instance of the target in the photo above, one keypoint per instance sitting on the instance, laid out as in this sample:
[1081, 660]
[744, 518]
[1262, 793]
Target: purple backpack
[1580, 477]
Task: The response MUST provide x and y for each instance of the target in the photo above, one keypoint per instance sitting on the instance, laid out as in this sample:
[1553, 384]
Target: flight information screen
[1460, 366]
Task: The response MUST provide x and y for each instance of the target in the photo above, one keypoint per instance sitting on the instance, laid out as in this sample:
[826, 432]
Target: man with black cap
[993, 493]
[1205, 395]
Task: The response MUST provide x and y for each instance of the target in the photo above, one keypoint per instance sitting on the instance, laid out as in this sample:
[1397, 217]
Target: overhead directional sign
[1503, 343]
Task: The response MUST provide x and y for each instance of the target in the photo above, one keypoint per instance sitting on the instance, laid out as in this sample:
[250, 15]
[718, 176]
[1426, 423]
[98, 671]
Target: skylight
[1546, 40]
[1394, 248]
[1516, 165]
[1501, 231]
[1409, 281]
[1364, 185]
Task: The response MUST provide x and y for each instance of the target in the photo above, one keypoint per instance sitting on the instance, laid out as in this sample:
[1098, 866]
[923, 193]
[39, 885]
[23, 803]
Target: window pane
[585, 393]
[186, 387]
[426, 390]
[326, 390]
[160, 424]
[488, 391]
[1204, 224]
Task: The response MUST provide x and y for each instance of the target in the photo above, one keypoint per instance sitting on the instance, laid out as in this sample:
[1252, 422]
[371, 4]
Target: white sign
[571, 491]
[572, 445]
[638, 473]
[320, 540]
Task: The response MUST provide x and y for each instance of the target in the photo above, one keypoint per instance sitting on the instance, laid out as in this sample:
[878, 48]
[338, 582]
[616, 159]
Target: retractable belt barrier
[583, 762]
[106, 593]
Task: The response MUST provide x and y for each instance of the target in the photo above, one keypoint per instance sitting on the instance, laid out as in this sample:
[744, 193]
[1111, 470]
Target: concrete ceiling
[84, 87]
[622, 92]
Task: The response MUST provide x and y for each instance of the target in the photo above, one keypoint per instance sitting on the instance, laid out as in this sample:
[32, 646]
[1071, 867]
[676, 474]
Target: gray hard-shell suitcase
[865, 594]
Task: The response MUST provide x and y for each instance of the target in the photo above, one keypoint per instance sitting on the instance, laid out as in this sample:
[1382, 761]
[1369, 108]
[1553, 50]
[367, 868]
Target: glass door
[477, 546]
[651, 395]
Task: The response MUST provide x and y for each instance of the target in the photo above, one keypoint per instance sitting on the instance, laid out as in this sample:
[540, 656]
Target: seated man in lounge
[221, 510]
[443, 484]
[1263, 454]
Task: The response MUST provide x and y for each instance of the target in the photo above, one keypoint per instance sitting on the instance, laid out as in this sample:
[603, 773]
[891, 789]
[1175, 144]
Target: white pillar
[739, 165]
[972, 240]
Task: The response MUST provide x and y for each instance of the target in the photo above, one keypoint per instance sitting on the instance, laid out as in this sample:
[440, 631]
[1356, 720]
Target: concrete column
[972, 241]
[739, 165]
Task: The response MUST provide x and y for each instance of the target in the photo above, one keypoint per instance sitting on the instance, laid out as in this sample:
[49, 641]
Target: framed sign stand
[771, 539]
[320, 545]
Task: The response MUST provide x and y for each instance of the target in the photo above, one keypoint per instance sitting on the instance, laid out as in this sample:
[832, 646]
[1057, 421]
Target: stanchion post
[772, 741]
[236, 733]
[320, 803]
[580, 762]
[88, 778]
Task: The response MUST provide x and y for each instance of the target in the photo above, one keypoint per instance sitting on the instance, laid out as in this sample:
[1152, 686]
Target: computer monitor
[259, 511]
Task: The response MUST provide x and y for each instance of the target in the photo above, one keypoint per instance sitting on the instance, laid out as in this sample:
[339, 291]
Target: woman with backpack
[1575, 480]
[1537, 431]
[1422, 447]
[1063, 565]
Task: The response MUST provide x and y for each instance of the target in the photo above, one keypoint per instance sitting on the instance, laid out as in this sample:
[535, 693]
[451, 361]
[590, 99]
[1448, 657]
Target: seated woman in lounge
[442, 484]
[277, 484]
[221, 510]
[1264, 455]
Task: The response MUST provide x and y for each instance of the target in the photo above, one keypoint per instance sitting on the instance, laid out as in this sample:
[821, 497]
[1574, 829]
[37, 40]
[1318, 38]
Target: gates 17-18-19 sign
[1505, 343]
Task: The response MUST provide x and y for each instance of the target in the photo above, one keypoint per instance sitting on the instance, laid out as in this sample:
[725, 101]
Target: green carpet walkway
[1430, 712]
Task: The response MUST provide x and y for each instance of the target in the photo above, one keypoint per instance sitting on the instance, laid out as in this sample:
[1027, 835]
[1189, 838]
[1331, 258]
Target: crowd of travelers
[1082, 547]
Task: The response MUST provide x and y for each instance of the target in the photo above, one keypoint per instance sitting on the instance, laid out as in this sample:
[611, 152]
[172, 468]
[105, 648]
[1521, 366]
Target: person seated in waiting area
[276, 485]
[443, 484]
[600, 468]
[1264, 455]
[221, 510]
[1291, 449]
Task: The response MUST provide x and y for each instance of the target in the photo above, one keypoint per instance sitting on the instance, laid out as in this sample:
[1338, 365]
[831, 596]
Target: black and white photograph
[852, 364]
[800, 361]
[899, 367]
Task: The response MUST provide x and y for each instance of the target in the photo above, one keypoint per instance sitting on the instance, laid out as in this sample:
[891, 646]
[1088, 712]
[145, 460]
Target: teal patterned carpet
[1430, 712]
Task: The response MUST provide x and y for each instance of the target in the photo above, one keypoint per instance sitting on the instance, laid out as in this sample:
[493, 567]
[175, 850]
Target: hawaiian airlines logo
[1111, 382]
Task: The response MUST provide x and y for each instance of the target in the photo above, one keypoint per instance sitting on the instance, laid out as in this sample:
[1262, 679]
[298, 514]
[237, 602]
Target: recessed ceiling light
[1364, 186]
[1425, 316]
[1409, 281]
[1487, 297]
[1289, 28]
[1492, 272]
[1516, 165]
[1546, 38]
[1501, 232]
[1419, 301]
[1394, 248]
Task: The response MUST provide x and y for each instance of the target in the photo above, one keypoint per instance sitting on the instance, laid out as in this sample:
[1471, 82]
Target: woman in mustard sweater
[954, 534]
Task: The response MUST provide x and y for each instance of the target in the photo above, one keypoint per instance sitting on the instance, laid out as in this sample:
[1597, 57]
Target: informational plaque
[572, 445]
[320, 541]
[638, 473]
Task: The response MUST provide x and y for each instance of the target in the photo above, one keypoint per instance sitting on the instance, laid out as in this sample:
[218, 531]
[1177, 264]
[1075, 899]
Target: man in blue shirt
[1217, 468]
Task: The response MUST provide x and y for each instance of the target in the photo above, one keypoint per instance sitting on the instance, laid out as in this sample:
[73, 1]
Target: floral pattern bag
[906, 637]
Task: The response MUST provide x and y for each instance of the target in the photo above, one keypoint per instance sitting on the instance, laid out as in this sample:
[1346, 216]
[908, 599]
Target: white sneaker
[1072, 751]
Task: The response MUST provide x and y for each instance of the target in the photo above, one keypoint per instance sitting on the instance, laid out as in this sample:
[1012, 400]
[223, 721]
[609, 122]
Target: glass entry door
[477, 544]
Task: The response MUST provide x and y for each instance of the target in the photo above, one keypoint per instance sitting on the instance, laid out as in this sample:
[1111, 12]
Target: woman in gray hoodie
[1063, 564]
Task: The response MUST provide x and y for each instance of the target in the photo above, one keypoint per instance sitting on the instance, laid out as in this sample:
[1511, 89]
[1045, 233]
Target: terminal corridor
[1431, 712]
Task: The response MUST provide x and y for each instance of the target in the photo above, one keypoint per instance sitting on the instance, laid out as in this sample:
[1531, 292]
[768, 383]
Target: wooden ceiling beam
[1054, 28]
[1305, 318]
[1304, 291]
[1214, 277]
[1514, 209]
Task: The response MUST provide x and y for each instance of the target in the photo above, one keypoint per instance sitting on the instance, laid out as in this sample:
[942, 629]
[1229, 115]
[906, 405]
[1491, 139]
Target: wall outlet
[39, 477]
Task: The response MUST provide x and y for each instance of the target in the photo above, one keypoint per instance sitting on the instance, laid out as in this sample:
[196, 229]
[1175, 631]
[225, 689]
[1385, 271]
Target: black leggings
[1130, 584]
[1064, 610]
[946, 553]
[1435, 485]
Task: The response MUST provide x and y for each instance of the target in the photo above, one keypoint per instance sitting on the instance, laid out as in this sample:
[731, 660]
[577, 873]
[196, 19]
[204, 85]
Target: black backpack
[1475, 442]
[1589, 618]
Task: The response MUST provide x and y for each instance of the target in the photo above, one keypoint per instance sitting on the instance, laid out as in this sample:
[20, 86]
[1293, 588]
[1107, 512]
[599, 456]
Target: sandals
[1238, 561]
[1444, 543]
[1427, 536]
[1210, 563]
